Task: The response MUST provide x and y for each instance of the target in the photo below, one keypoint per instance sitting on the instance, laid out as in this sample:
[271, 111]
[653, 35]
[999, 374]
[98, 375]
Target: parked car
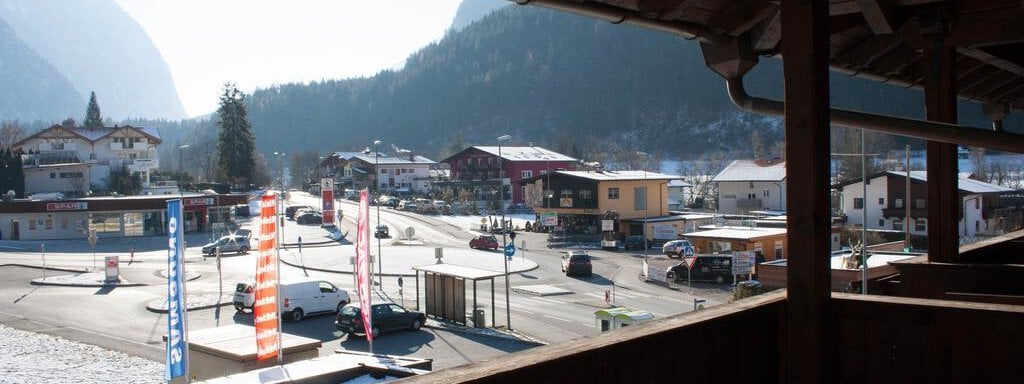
[309, 218]
[634, 243]
[677, 248]
[386, 317]
[290, 211]
[382, 232]
[576, 263]
[484, 242]
[299, 297]
[387, 201]
[231, 243]
[406, 205]
[705, 268]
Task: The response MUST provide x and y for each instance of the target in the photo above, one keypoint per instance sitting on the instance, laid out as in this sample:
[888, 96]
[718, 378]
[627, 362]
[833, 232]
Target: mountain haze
[100, 48]
[472, 10]
[574, 84]
[30, 88]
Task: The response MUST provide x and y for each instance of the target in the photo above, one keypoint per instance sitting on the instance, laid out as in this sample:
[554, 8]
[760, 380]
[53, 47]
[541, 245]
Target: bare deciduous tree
[10, 133]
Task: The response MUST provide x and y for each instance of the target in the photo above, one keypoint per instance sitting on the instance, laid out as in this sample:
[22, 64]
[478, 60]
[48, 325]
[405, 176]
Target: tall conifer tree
[93, 119]
[236, 143]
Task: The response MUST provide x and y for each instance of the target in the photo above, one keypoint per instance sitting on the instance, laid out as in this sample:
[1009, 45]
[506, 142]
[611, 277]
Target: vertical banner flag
[327, 200]
[177, 337]
[264, 308]
[363, 261]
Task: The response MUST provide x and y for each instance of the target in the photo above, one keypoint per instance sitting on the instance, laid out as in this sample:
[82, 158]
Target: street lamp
[643, 229]
[280, 199]
[376, 189]
[504, 240]
[180, 157]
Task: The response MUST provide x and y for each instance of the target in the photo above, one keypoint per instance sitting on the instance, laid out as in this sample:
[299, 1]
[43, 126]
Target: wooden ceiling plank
[863, 54]
[980, 77]
[998, 84]
[655, 8]
[767, 35]
[999, 26]
[758, 11]
[876, 14]
[992, 60]
[843, 7]
[1004, 94]
[896, 61]
[677, 12]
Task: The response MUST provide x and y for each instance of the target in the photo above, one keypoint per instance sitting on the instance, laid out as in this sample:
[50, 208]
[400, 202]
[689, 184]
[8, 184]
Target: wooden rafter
[876, 14]
[740, 16]
[767, 35]
[872, 48]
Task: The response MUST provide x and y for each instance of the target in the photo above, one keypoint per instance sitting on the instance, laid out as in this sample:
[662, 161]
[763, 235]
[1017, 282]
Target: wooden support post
[809, 348]
[940, 106]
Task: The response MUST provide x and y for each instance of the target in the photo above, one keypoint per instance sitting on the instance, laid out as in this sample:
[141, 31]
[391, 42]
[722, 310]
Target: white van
[299, 297]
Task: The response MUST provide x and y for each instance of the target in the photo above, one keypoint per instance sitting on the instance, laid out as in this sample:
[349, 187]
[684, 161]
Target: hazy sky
[258, 43]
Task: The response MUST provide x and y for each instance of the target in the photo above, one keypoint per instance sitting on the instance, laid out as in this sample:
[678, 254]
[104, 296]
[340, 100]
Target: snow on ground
[473, 221]
[37, 358]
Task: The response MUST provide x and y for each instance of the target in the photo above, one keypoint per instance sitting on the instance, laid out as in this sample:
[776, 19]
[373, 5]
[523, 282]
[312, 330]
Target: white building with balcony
[78, 159]
[752, 185]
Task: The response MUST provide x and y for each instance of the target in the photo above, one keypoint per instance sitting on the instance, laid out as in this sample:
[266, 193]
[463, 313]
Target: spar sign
[264, 308]
[177, 337]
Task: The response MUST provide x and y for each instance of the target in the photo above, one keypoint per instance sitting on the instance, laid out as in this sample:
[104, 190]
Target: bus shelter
[445, 291]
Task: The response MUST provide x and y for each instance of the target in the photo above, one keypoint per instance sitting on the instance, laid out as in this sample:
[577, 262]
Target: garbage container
[479, 320]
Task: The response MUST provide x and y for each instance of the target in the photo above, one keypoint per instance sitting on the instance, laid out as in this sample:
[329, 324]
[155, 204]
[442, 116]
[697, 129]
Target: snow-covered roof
[392, 160]
[738, 232]
[96, 133]
[965, 185]
[525, 153]
[618, 175]
[752, 170]
[678, 183]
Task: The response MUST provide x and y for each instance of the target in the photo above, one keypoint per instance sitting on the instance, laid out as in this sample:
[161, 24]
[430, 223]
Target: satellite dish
[409, 231]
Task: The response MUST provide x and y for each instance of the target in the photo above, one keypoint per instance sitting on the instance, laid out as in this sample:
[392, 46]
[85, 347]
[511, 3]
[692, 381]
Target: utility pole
[504, 240]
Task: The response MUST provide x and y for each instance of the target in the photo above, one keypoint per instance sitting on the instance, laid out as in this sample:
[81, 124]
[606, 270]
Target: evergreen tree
[12, 176]
[93, 119]
[125, 182]
[236, 143]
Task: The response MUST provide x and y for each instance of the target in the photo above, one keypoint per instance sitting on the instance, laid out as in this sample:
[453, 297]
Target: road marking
[557, 318]
[546, 301]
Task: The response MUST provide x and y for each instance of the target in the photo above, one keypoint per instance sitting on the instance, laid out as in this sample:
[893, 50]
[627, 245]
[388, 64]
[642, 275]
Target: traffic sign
[690, 261]
[510, 250]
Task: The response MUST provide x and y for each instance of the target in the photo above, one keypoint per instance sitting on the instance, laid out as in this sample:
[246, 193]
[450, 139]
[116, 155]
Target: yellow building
[582, 199]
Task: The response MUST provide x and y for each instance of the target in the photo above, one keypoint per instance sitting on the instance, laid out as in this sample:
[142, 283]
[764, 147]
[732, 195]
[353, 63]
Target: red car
[483, 242]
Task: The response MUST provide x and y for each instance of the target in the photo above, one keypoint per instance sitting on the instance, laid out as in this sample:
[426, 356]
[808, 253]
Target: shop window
[31, 225]
[133, 224]
[63, 223]
[105, 222]
[613, 193]
[48, 224]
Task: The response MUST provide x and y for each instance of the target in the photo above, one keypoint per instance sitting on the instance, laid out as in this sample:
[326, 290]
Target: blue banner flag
[177, 340]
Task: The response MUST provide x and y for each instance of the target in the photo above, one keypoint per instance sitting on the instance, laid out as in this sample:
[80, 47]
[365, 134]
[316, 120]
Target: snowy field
[37, 358]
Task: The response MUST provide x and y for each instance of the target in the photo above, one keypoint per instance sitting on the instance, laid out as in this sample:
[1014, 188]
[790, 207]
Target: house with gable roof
[752, 185]
[73, 160]
[477, 168]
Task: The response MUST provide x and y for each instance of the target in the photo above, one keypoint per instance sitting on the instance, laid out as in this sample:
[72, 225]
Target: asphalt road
[117, 318]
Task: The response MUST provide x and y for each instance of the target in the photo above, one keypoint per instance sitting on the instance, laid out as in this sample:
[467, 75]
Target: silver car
[236, 243]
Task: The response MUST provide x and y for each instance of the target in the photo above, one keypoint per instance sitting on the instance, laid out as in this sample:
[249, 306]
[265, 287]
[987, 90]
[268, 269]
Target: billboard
[327, 200]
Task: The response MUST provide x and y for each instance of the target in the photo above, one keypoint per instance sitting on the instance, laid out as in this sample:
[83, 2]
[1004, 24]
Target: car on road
[677, 248]
[634, 243]
[231, 243]
[705, 268]
[290, 211]
[484, 242]
[309, 218]
[382, 232]
[576, 263]
[386, 316]
[299, 297]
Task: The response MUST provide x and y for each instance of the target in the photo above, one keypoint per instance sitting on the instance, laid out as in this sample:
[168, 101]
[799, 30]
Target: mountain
[100, 48]
[472, 10]
[30, 88]
[584, 87]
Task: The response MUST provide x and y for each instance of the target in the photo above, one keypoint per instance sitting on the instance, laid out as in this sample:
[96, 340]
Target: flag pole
[277, 286]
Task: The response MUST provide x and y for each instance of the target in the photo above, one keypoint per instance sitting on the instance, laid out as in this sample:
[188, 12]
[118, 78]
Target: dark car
[484, 242]
[705, 268]
[576, 263]
[309, 218]
[382, 232]
[290, 211]
[634, 243]
[386, 317]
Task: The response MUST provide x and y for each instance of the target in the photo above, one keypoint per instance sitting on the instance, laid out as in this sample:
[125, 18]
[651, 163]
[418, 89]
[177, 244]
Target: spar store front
[127, 216]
